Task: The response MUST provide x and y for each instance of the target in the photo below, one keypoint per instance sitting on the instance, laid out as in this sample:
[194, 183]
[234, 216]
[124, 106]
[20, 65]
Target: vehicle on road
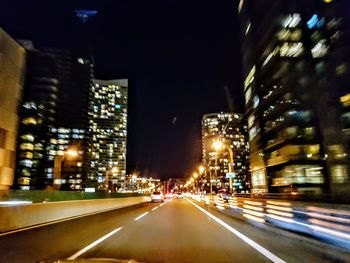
[179, 195]
[224, 194]
[157, 196]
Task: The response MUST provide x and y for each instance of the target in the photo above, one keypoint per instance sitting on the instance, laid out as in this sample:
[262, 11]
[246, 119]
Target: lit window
[248, 95]
[27, 137]
[26, 163]
[256, 101]
[288, 34]
[250, 78]
[291, 20]
[26, 146]
[315, 21]
[291, 49]
[345, 100]
[320, 49]
[29, 105]
[27, 155]
[248, 28]
[38, 146]
[29, 121]
[240, 5]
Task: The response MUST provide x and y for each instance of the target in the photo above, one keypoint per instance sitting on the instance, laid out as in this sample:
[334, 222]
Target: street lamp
[70, 154]
[201, 169]
[218, 145]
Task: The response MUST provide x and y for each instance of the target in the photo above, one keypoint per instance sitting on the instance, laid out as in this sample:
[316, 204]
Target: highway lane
[177, 231]
[63, 239]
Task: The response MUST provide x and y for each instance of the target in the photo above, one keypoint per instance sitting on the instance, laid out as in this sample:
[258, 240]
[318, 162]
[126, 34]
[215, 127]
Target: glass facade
[53, 118]
[294, 66]
[37, 116]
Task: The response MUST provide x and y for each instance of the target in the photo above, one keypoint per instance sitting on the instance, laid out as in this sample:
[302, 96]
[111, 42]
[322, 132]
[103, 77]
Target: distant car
[169, 195]
[157, 196]
[224, 194]
[179, 195]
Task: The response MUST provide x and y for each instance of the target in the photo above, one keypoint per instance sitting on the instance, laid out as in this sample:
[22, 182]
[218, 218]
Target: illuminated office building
[296, 86]
[230, 130]
[108, 131]
[12, 65]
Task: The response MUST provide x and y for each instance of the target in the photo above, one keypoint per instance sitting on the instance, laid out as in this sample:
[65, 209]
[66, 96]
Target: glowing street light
[195, 175]
[201, 169]
[71, 154]
[217, 145]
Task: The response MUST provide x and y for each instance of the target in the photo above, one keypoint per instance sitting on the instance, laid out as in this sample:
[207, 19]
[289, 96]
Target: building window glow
[291, 49]
[320, 49]
[291, 20]
[240, 5]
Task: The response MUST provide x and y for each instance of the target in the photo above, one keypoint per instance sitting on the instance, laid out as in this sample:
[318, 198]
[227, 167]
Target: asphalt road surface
[175, 231]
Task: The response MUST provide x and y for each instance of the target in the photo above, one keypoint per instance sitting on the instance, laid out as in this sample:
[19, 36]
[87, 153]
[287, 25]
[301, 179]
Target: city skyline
[186, 60]
[175, 131]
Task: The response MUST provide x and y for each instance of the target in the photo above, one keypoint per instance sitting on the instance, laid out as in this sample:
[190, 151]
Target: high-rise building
[75, 76]
[54, 118]
[37, 118]
[229, 129]
[12, 64]
[108, 131]
[296, 86]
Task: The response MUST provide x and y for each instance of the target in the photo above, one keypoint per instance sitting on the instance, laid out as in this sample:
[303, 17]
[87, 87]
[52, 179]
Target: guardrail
[321, 220]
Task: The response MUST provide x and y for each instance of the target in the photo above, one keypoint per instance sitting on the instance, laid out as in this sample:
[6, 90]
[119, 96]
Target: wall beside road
[22, 216]
[321, 220]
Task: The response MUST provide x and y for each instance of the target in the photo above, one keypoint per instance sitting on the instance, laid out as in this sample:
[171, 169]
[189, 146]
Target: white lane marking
[246, 239]
[93, 244]
[137, 218]
[155, 208]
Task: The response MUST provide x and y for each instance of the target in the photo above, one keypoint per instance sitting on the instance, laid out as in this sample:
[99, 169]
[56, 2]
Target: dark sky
[177, 54]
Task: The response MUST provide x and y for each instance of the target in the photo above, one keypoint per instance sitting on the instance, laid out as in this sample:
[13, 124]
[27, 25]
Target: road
[176, 231]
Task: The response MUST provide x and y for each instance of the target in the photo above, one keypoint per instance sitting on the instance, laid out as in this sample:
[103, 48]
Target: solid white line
[246, 239]
[93, 244]
[155, 208]
[137, 218]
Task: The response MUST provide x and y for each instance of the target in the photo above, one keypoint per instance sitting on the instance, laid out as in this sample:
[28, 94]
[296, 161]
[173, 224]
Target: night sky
[177, 54]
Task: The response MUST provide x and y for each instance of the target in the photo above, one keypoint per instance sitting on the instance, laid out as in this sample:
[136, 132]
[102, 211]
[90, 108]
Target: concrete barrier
[322, 220]
[16, 217]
